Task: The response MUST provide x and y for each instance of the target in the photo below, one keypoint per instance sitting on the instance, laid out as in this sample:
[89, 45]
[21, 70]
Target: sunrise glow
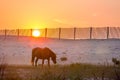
[26, 14]
[36, 33]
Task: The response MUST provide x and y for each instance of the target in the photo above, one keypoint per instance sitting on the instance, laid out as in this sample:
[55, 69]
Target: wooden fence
[68, 33]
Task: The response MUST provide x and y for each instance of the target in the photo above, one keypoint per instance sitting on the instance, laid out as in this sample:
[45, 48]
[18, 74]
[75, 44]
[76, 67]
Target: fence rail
[68, 33]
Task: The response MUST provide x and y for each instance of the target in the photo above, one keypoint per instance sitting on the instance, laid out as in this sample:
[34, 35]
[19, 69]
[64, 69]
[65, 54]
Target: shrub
[63, 58]
[115, 61]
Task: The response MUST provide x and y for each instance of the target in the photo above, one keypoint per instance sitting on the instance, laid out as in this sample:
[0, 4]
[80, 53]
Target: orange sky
[58, 13]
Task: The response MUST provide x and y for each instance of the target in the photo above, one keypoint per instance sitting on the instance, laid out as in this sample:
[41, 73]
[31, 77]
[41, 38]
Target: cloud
[95, 14]
[59, 21]
[63, 22]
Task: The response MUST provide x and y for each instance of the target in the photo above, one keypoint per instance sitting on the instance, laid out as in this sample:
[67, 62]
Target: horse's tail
[33, 57]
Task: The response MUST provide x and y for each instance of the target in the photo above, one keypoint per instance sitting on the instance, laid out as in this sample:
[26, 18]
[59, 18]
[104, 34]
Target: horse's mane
[53, 54]
[45, 49]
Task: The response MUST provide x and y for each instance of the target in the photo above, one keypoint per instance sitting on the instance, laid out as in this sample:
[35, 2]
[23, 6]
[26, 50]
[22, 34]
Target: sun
[36, 33]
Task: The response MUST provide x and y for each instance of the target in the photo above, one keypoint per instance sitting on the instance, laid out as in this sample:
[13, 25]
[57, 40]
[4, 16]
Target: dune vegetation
[75, 71]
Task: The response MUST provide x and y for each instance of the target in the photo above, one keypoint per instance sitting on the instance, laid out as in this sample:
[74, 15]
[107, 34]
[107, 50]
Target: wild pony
[43, 53]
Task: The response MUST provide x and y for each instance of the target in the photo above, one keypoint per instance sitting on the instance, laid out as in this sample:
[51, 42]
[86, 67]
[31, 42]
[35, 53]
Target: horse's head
[54, 59]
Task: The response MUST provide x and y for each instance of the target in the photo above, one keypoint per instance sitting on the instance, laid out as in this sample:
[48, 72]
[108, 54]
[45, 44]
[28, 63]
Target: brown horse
[43, 53]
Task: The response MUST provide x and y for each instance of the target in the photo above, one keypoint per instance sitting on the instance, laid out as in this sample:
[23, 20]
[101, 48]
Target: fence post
[18, 33]
[59, 33]
[107, 32]
[90, 32]
[31, 30]
[5, 33]
[74, 33]
[45, 32]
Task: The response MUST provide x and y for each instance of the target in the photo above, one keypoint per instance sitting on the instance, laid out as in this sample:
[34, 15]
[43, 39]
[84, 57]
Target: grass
[63, 72]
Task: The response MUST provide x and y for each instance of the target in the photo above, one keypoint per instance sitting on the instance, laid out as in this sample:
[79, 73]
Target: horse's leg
[32, 62]
[36, 62]
[42, 62]
[49, 62]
